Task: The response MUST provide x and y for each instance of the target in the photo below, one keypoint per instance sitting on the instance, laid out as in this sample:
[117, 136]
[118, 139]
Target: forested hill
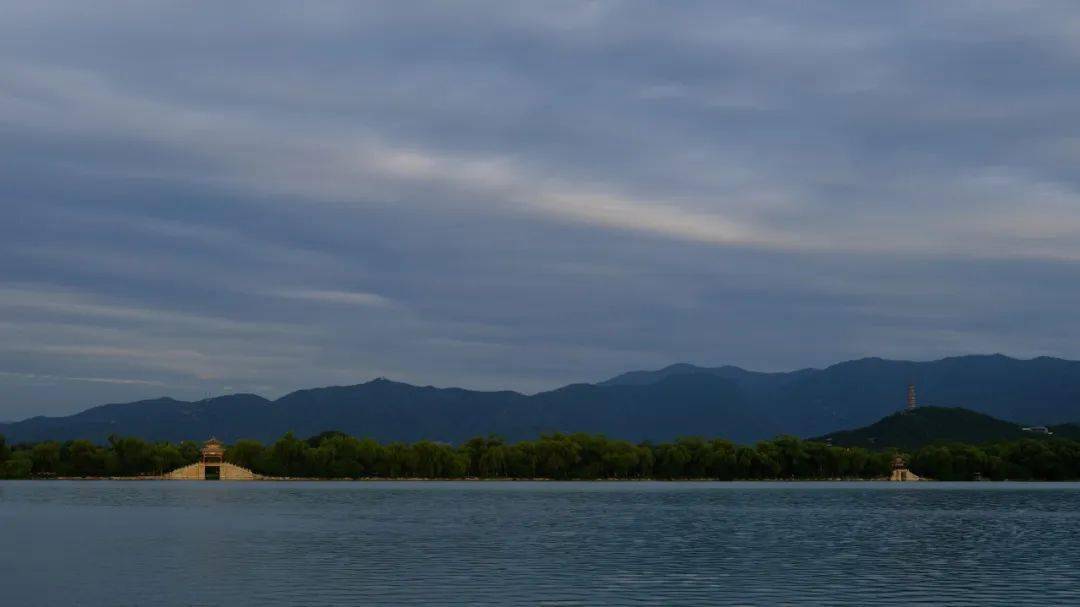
[910, 430]
[680, 400]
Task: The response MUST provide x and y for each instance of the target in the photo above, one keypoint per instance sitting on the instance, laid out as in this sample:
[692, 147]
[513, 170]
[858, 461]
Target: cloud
[350, 298]
[518, 197]
[783, 206]
[96, 380]
[63, 303]
[333, 167]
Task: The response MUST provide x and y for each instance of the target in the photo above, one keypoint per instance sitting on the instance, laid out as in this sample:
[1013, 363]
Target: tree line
[552, 456]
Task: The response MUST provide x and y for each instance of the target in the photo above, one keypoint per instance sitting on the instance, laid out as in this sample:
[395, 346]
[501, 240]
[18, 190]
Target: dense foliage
[909, 430]
[1027, 459]
[555, 456]
[120, 457]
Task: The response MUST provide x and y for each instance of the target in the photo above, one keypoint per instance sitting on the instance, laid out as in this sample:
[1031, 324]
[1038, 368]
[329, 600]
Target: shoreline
[505, 480]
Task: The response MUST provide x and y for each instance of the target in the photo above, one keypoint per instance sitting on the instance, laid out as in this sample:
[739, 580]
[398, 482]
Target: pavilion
[212, 467]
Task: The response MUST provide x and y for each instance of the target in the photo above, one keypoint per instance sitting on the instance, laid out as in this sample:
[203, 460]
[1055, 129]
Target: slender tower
[911, 402]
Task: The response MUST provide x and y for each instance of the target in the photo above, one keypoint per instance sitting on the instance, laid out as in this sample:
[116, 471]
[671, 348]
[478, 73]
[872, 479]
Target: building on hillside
[212, 467]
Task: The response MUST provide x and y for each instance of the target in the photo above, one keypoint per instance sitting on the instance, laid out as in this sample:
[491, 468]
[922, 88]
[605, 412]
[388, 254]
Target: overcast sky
[200, 198]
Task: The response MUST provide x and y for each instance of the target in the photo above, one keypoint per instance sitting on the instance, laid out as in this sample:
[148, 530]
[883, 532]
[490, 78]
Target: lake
[535, 543]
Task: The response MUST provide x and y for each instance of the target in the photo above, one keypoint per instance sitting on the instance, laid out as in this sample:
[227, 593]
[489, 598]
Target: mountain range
[678, 400]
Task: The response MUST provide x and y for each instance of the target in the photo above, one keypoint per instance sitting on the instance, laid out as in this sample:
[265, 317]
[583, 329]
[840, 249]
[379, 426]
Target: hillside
[812, 402]
[389, 411]
[679, 400]
[926, 425]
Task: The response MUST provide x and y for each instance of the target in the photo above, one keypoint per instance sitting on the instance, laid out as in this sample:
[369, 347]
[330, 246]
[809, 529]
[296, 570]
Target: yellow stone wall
[197, 472]
[903, 474]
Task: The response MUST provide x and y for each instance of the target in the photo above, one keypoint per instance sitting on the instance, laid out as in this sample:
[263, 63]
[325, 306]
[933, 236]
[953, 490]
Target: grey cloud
[271, 196]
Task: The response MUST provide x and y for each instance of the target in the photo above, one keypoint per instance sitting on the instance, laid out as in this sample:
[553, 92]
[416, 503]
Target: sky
[207, 198]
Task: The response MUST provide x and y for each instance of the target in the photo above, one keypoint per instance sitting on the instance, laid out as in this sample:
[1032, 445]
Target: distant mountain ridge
[1042, 390]
[678, 400]
[640, 378]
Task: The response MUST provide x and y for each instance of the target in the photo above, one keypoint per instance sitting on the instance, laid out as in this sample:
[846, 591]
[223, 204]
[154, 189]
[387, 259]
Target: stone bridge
[213, 467]
[200, 471]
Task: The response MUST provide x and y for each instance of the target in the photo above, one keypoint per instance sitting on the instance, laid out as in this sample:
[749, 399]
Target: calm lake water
[510, 543]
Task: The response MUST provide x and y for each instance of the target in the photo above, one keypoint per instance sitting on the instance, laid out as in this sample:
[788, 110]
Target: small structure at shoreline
[900, 473]
[212, 467]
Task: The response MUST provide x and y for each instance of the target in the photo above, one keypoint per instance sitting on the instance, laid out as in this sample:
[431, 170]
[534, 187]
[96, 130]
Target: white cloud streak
[93, 380]
[349, 298]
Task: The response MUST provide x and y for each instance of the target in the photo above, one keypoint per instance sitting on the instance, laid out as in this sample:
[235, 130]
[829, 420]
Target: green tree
[722, 462]
[521, 460]
[368, 455]
[247, 453]
[190, 451]
[46, 458]
[166, 457]
[397, 461]
[288, 456]
[19, 465]
[621, 460]
[340, 457]
[556, 456]
[132, 456]
[84, 458]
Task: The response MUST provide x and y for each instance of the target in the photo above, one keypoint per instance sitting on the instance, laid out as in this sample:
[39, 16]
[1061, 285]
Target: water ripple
[138, 543]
